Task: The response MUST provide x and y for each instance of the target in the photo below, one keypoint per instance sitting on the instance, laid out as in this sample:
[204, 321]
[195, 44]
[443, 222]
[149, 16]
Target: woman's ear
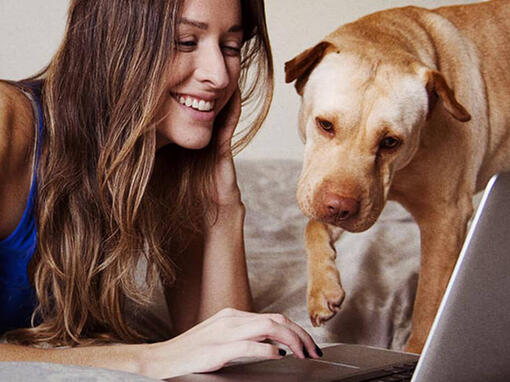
[438, 88]
[300, 67]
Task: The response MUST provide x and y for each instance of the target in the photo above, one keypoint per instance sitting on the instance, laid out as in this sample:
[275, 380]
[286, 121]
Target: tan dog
[408, 104]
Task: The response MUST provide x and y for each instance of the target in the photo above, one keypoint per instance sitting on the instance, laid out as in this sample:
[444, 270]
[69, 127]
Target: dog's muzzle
[336, 209]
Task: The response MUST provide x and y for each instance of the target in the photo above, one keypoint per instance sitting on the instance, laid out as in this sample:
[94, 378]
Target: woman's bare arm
[211, 273]
[225, 277]
[184, 295]
[116, 357]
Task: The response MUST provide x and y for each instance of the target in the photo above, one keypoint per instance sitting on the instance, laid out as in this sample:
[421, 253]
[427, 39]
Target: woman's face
[204, 74]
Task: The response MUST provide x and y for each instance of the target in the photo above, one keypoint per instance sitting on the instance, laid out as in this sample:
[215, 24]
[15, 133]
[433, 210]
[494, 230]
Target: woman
[132, 161]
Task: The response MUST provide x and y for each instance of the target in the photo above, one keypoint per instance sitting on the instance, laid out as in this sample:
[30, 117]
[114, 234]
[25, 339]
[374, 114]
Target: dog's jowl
[408, 104]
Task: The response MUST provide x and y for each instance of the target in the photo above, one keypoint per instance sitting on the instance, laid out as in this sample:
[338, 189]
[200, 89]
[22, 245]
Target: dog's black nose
[339, 207]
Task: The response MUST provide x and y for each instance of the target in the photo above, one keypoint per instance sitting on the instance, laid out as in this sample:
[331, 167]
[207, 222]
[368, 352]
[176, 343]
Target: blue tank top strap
[17, 296]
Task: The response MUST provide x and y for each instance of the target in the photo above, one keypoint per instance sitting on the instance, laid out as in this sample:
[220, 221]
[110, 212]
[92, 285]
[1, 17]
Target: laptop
[469, 339]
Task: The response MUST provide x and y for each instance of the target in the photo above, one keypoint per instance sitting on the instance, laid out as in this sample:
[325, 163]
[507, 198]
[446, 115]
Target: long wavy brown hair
[106, 198]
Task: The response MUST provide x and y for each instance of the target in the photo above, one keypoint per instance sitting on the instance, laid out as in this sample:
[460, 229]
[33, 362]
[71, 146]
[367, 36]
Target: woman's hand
[225, 177]
[228, 335]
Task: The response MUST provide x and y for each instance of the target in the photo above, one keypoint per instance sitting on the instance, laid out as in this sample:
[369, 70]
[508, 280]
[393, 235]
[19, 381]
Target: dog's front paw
[325, 296]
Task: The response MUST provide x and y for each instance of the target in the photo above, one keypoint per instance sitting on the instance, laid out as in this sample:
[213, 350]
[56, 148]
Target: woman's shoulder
[17, 135]
[15, 107]
[16, 126]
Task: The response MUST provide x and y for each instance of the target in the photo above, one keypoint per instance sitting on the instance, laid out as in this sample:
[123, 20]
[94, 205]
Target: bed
[378, 268]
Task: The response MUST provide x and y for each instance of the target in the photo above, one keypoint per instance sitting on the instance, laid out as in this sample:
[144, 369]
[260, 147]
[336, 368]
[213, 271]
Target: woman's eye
[324, 124]
[231, 50]
[186, 46]
[389, 143]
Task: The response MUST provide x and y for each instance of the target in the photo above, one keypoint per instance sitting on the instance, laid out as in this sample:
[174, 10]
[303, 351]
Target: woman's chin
[194, 143]
[195, 146]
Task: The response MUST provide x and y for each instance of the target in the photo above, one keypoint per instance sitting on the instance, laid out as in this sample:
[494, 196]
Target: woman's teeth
[198, 104]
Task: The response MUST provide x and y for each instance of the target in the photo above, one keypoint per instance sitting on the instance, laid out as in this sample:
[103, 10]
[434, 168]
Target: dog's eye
[389, 143]
[324, 124]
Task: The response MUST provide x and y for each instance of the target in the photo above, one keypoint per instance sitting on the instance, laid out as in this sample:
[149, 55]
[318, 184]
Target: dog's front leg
[442, 235]
[325, 292]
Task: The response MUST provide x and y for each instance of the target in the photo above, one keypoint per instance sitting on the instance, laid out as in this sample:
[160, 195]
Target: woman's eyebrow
[205, 26]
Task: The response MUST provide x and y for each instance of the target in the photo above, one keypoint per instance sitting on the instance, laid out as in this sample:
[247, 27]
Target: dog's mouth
[354, 224]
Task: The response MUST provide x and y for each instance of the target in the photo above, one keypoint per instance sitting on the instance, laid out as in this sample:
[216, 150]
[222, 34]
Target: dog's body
[373, 130]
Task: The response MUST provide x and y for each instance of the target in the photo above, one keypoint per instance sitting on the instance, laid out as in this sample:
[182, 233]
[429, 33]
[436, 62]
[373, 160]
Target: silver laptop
[470, 337]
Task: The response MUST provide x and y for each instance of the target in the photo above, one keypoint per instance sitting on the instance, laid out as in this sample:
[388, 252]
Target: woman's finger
[251, 349]
[227, 122]
[312, 349]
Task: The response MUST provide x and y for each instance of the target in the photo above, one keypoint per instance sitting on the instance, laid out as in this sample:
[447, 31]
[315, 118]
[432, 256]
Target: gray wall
[30, 31]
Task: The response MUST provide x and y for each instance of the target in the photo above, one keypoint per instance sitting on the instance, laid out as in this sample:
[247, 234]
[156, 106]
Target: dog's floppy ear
[438, 88]
[300, 67]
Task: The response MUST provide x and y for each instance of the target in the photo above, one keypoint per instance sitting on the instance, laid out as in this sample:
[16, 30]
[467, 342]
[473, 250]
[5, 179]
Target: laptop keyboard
[396, 373]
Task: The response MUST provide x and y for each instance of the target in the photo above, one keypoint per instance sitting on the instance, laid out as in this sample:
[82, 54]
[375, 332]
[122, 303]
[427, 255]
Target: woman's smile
[195, 102]
[199, 109]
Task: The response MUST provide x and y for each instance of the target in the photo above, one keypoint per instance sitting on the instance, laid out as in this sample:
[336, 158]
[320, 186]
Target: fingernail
[282, 352]
[319, 351]
[305, 352]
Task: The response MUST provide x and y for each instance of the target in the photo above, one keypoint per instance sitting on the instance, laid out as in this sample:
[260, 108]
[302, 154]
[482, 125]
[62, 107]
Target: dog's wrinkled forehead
[354, 90]
[331, 85]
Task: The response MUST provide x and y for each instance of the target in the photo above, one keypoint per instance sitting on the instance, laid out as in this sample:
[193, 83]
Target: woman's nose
[212, 68]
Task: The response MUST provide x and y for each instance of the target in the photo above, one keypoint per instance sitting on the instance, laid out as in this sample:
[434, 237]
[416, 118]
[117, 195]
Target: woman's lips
[196, 102]
[198, 108]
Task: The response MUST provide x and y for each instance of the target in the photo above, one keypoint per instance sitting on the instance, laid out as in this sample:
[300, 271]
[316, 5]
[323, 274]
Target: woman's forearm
[129, 358]
[225, 277]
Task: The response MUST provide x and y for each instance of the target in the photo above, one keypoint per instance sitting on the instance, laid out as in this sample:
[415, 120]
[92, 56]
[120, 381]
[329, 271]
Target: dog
[408, 104]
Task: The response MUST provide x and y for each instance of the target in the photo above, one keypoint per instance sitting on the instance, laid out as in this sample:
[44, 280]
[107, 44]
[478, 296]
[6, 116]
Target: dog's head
[360, 119]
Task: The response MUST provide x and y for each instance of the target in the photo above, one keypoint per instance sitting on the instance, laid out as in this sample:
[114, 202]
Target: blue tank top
[17, 296]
